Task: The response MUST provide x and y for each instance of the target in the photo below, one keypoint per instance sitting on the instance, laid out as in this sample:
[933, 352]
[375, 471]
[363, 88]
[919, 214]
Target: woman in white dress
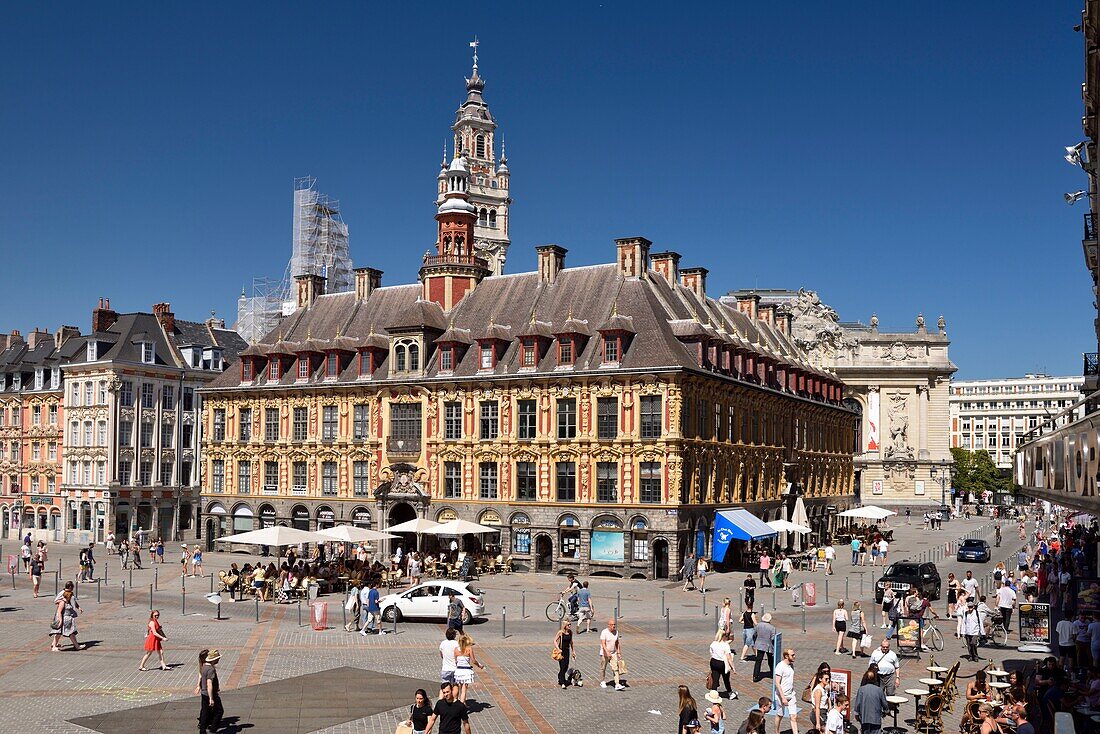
[465, 660]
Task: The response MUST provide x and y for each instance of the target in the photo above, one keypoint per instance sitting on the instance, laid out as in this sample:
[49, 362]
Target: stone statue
[874, 322]
[920, 321]
[815, 327]
[899, 448]
[942, 324]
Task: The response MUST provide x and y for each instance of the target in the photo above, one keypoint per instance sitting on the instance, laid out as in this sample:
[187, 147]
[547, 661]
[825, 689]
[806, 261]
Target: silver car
[430, 599]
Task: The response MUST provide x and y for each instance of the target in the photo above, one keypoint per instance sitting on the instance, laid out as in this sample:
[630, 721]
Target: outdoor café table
[931, 682]
[895, 703]
[999, 687]
[996, 672]
[916, 693]
[936, 670]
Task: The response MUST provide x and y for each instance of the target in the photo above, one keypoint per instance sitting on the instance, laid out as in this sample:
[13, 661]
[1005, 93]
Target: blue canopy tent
[736, 524]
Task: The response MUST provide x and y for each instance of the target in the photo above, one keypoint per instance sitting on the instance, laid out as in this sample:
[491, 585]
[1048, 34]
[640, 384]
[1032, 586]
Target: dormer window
[446, 359]
[39, 377]
[611, 348]
[247, 370]
[303, 367]
[332, 365]
[212, 359]
[487, 358]
[406, 356]
[565, 350]
[17, 381]
[92, 351]
[274, 369]
[194, 357]
[528, 353]
[369, 359]
[55, 378]
[148, 353]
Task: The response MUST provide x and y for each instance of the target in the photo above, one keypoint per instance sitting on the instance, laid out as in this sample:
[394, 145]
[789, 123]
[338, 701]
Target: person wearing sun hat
[714, 714]
[210, 715]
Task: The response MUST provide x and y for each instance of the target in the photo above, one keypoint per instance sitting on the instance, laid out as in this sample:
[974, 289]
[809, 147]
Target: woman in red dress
[154, 641]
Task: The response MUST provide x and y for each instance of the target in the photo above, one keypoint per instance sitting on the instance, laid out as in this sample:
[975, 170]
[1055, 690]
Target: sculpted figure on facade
[899, 427]
[816, 327]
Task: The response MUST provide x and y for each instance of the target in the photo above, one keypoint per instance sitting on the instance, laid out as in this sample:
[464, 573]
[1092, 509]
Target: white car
[429, 601]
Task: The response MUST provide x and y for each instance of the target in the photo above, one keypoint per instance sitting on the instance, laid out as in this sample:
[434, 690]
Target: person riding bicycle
[916, 607]
[997, 535]
[571, 593]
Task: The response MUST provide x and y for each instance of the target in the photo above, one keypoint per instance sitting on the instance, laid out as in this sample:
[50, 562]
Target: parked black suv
[903, 575]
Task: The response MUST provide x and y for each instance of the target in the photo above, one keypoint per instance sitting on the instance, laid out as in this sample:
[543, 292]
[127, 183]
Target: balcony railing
[1092, 364]
[455, 260]
[403, 446]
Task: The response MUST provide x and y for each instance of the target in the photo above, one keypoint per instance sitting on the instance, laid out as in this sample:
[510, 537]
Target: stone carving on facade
[816, 327]
[899, 447]
[899, 470]
[899, 352]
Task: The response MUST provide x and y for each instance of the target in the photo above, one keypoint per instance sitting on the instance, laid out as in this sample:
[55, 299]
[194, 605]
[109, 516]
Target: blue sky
[895, 158]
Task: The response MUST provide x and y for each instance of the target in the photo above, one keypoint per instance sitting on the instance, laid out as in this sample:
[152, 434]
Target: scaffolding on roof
[320, 239]
[259, 313]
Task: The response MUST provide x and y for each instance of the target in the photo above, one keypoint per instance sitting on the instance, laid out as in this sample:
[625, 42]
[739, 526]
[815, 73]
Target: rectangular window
[246, 424]
[329, 423]
[528, 357]
[361, 486]
[452, 421]
[488, 480]
[88, 433]
[526, 481]
[188, 398]
[332, 365]
[328, 478]
[146, 435]
[271, 476]
[125, 472]
[452, 480]
[168, 397]
[303, 367]
[567, 418]
[271, 424]
[273, 372]
[166, 435]
[651, 417]
[640, 548]
[126, 394]
[490, 420]
[300, 477]
[219, 424]
[649, 485]
[301, 423]
[487, 357]
[565, 351]
[526, 425]
[145, 473]
[187, 432]
[217, 480]
[610, 349]
[147, 352]
[607, 481]
[75, 398]
[53, 415]
[166, 474]
[607, 416]
[244, 477]
[36, 451]
[52, 451]
[89, 393]
[362, 422]
[446, 359]
[521, 541]
[36, 415]
[148, 399]
[567, 481]
[405, 427]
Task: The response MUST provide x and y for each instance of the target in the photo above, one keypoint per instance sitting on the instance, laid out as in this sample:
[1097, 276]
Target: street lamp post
[942, 473]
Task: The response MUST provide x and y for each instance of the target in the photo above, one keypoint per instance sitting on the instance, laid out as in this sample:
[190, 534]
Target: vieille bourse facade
[614, 404]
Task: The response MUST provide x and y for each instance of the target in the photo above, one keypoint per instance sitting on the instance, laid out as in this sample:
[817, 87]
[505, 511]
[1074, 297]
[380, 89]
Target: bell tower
[456, 268]
[489, 187]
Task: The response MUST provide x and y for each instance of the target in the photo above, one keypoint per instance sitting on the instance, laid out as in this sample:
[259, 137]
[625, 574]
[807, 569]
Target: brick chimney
[15, 338]
[551, 262]
[667, 265]
[766, 313]
[784, 321]
[748, 304]
[695, 279]
[309, 288]
[633, 256]
[167, 319]
[36, 337]
[63, 334]
[367, 280]
[102, 316]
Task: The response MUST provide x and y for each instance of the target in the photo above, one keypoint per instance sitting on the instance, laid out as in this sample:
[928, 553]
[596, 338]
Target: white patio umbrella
[869, 512]
[786, 526]
[799, 517]
[417, 525]
[462, 527]
[353, 534]
[277, 536]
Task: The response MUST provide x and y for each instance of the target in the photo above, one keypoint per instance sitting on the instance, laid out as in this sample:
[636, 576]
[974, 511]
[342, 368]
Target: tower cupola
[455, 269]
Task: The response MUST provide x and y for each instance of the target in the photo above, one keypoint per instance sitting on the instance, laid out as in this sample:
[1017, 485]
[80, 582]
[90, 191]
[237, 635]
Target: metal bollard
[299, 612]
[668, 625]
[183, 603]
[123, 594]
[105, 567]
[156, 578]
[615, 615]
[13, 580]
[257, 611]
[803, 618]
[523, 604]
[717, 619]
[619, 601]
[56, 582]
[826, 591]
[218, 613]
[847, 594]
[211, 583]
[343, 614]
[773, 596]
[741, 599]
[150, 597]
[663, 604]
[504, 621]
[131, 577]
[98, 588]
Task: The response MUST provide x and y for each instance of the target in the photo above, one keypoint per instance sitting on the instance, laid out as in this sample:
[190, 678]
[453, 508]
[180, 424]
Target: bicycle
[934, 638]
[556, 610]
[998, 634]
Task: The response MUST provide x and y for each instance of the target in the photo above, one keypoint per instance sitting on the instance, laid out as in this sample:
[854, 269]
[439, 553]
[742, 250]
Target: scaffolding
[319, 246]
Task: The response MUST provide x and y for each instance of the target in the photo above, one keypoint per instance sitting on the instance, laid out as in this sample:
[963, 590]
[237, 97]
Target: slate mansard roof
[583, 300]
[121, 341]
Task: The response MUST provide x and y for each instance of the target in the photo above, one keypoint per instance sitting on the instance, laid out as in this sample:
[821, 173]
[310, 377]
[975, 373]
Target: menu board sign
[1087, 594]
[1034, 622]
[908, 634]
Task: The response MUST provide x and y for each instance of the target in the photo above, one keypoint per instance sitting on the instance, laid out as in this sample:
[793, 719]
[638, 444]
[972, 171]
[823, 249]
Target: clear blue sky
[896, 158]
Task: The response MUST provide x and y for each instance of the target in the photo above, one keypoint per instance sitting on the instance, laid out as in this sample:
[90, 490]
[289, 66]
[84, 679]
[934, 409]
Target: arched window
[414, 357]
[446, 245]
[492, 219]
[482, 218]
[399, 354]
[480, 146]
[459, 245]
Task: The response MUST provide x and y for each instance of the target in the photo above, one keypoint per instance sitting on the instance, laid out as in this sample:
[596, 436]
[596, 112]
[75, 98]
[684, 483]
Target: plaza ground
[43, 691]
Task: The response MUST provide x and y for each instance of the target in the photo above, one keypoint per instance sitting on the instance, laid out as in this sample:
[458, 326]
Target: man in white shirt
[972, 629]
[889, 667]
[830, 556]
[834, 723]
[1064, 629]
[448, 649]
[784, 692]
[883, 549]
[1006, 602]
[610, 655]
[971, 585]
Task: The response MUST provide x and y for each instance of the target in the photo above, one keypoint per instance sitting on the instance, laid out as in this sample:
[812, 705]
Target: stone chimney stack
[36, 337]
[310, 287]
[784, 321]
[167, 319]
[102, 316]
[633, 256]
[63, 334]
[551, 262]
[766, 313]
[367, 281]
[667, 265]
[695, 279]
[748, 305]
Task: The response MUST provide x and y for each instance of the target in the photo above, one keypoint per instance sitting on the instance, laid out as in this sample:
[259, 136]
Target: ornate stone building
[31, 416]
[597, 415]
[898, 381]
[132, 421]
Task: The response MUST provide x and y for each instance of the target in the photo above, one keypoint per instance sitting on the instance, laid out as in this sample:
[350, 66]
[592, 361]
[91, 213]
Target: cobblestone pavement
[517, 691]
